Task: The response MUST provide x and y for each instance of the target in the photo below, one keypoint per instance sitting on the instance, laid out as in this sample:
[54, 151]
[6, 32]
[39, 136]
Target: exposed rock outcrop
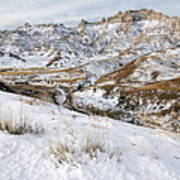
[126, 66]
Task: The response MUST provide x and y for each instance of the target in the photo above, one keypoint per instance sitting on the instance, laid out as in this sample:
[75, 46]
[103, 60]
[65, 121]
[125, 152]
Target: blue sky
[16, 12]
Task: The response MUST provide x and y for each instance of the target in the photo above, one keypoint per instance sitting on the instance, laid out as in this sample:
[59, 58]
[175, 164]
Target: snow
[150, 24]
[90, 99]
[71, 145]
[39, 140]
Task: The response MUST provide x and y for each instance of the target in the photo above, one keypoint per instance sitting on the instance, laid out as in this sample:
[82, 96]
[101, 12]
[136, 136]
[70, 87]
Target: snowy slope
[39, 140]
[65, 92]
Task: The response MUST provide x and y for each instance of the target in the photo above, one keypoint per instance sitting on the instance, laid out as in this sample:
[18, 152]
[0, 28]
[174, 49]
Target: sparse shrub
[69, 153]
[61, 152]
[15, 120]
[93, 147]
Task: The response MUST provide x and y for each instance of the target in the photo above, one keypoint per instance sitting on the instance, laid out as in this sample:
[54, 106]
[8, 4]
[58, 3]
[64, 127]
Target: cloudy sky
[16, 12]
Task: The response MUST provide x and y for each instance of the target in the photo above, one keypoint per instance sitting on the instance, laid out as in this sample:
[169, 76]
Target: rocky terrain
[100, 100]
[126, 66]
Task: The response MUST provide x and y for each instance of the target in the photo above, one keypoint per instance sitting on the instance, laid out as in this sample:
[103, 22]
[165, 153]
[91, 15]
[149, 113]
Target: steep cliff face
[126, 66]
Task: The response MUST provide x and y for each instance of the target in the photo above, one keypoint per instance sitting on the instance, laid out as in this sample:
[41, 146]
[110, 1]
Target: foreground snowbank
[42, 141]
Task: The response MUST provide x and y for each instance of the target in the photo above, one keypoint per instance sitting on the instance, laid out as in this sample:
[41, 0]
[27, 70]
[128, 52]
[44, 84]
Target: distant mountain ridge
[126, 66]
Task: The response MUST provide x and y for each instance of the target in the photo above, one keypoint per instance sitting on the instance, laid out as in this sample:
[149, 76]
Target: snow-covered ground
[125, 67]
[41, 141]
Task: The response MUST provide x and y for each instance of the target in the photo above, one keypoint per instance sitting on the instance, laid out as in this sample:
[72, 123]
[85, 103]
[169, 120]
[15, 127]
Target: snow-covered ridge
[134, 49]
